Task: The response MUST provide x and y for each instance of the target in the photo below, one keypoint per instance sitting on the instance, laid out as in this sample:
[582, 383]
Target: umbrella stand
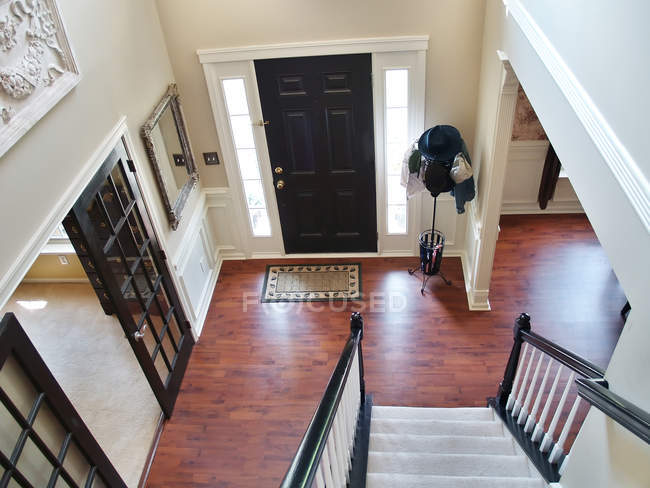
[432, 243]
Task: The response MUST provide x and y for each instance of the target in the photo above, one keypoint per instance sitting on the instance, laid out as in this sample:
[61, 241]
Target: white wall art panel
[37, 66]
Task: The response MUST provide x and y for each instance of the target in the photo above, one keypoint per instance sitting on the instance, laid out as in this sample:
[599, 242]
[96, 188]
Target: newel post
[356, 324]
[522, 323]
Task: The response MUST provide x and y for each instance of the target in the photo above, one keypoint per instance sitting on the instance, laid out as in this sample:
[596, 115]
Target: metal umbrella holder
[432, 244]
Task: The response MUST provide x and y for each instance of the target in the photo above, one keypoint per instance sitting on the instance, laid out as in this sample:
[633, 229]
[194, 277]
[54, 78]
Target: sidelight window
[234, 91]
[395, 141]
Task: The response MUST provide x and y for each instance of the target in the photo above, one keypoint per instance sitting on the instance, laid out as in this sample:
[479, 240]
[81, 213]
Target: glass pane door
[120, 241]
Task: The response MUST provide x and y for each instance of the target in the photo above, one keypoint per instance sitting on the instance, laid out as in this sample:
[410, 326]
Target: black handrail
[622, 411]
[303, 468]
[522, 333]
[569, 359]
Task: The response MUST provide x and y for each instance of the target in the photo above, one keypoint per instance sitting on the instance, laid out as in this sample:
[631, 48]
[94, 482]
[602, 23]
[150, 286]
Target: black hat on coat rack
[439, 146]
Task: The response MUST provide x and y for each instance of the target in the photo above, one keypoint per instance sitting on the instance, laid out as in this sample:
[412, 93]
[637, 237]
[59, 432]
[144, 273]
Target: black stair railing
[332, 450]
[537, 388]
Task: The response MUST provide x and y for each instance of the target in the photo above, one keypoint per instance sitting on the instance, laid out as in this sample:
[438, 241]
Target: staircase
[413, 447]
[518, 441]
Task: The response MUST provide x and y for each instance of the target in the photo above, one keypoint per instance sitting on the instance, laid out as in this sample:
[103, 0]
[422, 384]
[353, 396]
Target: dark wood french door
[321, 146]
[44, 441]
[112, 234]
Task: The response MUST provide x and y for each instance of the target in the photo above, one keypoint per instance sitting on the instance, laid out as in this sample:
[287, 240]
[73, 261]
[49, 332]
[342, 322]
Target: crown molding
[314, 48]
[621, 163]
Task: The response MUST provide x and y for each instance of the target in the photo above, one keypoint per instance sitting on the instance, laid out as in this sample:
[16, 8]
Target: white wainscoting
[523, 176]
[197, 266]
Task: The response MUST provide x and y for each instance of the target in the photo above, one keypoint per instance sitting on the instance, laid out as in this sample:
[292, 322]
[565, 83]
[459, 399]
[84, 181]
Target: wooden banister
[317, 442]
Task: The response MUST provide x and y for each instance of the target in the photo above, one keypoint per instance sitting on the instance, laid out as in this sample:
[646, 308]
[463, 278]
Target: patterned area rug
[312, 282]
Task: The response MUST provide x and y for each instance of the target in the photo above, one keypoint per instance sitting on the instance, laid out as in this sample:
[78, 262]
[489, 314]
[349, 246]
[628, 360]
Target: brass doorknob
[278, 170]
[280, 184]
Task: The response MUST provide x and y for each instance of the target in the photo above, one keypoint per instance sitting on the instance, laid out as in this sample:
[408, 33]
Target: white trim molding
[314, 48]
[238, 62]
[484, 228]
[530, 208]
[621, 163]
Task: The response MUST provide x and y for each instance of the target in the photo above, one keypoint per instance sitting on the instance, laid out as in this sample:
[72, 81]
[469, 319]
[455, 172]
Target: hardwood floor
[259, 369]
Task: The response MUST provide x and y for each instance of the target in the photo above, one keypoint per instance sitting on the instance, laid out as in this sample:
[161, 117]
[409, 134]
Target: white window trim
[257, 152]
[238, 62]
[415, 62]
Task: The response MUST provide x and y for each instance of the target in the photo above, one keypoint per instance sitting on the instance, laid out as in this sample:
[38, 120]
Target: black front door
[321, 146]
[112, 234]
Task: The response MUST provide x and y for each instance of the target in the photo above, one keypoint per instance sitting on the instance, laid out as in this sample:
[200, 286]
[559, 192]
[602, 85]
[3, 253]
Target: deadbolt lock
[278, 170]
[280, 184]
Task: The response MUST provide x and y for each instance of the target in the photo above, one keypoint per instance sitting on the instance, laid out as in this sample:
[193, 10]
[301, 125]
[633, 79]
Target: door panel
[116, 233]
[44, 441]
[320, 134]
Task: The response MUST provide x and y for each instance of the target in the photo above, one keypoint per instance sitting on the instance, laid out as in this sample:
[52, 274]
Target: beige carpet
[312, 282]
[94, 364]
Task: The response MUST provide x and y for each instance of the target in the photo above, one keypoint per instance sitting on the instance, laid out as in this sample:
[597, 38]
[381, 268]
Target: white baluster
[548, 437]
[327, 467]
[335, 463]
[524, 382]
[564, 464]
[538, 400]
[319, 481]
[513, 392]
[539, 428]
[523, 414]
[339, 445]
[558, 450]
[343, 412]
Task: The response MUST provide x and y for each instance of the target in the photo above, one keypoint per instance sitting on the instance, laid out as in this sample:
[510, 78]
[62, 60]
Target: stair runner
[413, 447]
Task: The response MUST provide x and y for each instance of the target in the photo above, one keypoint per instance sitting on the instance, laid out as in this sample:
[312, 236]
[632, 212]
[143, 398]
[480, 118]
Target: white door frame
[238, 62]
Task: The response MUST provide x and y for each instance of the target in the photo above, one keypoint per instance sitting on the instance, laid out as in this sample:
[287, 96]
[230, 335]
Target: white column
[489, 204]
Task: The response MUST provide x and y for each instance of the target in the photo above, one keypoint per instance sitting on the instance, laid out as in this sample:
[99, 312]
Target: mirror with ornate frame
[168, 147]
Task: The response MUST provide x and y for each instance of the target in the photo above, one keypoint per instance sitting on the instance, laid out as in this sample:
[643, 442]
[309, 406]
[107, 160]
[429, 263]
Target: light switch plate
[179, 159]
[211, 158]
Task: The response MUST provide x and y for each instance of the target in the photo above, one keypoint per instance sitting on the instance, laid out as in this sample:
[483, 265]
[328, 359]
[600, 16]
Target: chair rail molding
[621, 163]
[37, 65]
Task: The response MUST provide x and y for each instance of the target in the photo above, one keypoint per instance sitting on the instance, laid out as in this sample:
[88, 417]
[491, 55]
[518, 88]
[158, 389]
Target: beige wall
[454, 26]
[604, 454]
[125, 69]
[48, 267]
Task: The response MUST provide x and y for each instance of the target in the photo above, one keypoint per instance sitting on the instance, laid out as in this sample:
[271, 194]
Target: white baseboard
[332, 255]
[477, 300]
[521, 208]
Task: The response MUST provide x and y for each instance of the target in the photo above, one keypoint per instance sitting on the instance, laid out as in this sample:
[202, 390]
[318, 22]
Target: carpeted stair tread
[441, 444]
[490, 465]
[423, 413]
[491, 428]
[383, 480]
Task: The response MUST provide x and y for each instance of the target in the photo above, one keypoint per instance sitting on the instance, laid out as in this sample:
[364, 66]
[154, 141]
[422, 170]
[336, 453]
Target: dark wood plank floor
[259, 370]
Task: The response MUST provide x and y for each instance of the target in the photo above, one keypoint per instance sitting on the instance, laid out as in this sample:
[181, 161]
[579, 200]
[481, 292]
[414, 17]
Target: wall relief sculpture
[37, 67]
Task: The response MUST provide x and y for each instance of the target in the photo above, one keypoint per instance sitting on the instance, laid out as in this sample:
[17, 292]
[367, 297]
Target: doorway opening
[100, 307]
[541, 211]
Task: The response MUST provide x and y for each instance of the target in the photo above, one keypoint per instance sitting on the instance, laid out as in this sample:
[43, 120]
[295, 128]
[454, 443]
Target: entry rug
[312, 282]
